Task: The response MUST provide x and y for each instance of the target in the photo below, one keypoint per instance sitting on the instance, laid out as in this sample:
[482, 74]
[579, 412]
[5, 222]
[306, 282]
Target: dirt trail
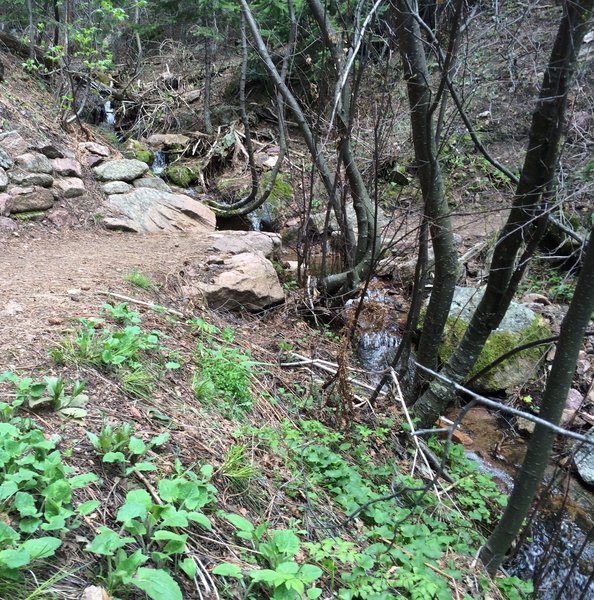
[37, 273]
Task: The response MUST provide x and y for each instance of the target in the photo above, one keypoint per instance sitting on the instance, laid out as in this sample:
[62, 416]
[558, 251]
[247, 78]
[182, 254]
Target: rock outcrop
[147, 210]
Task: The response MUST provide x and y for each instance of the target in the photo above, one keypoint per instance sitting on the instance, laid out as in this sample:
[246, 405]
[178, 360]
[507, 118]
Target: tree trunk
[437, 213]
[527, 219]
[541, 443]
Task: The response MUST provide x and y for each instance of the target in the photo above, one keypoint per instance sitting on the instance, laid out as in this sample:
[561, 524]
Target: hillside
[186, 414]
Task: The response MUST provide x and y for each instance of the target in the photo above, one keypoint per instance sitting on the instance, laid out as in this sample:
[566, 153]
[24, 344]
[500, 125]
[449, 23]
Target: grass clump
[139, 279]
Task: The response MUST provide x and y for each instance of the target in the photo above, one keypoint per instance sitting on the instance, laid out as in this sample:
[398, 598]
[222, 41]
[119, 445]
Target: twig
[502, 407]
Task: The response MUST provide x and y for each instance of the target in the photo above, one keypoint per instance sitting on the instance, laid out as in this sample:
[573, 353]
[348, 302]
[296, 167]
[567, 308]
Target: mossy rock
[140, 152]
[182, 175]
[273, 212]
[519, 326]
[516, 370]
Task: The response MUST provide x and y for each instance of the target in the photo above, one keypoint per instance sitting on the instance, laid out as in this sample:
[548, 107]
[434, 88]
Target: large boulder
[121, 170]
[243, 281]
[238, 242]
[519, 326]
[146, 210]
[584, 459]
[29, 199]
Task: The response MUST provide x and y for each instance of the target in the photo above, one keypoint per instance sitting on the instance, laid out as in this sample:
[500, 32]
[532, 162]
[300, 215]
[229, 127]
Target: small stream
[557, 550]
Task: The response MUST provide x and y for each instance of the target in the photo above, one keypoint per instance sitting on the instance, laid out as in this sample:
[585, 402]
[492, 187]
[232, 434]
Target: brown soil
[49, 278]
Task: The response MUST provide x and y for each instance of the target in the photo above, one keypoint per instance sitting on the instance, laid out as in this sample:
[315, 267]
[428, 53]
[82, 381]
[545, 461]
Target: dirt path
[37, 275]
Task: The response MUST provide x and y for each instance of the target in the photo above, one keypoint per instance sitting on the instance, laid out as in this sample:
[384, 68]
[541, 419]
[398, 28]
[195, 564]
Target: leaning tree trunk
[541, 443]
[437, 212]
[527, 220]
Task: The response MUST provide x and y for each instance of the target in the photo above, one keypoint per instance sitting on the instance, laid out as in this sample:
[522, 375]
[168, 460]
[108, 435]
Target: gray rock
[4, 198]
[169, 141]
[94, 148]
[13, 142]
[145, 210]
[60, 217]
[50, 150]
[67, 167]
[29, 199]
[24, 178]
[7, 224]
[238, 242]
[34, 163]
[584, 459]
[246, 281]
[3, 179]
[155, 183]
[465, 301]
[116, 187]
[121, 170]
[71, 187]
[6, 161]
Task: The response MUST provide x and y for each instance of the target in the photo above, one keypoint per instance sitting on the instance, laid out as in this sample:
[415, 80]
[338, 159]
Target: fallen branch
[151, 305]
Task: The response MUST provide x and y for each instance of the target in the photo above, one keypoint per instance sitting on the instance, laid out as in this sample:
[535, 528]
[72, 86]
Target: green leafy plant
[152, 524]
[119, 445]
[286, 578]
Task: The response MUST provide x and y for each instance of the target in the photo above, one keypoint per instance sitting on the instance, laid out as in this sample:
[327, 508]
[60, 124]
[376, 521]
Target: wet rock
[244, 281]
[116, 187]
[34, 162]
[7, 224]
[60, 217]
[145, 210]
[6, 161]
[13, 142]
[25, 179]
[584, 459]
[155, 183]
[121, 170]
[169, 141]
[3, 179]
[238, 242]
[67, 167]
[94, 148]
[29, 199]
[70, 187]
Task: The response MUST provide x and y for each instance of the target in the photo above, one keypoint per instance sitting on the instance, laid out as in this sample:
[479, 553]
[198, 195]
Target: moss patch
[141, 152]
[182, 175]
[31, 215]
[519, 368]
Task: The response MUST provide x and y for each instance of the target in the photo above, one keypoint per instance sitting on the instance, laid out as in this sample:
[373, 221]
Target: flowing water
[557, 550]
[159, 162]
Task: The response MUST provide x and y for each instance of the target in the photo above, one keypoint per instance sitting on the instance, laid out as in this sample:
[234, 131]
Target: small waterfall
[110, 117]
[160, 162]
